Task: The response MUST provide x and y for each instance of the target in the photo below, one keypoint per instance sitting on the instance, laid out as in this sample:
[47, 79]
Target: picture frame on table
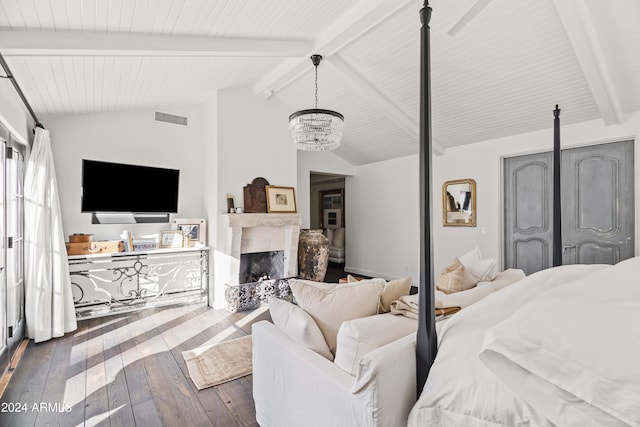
[280, 199]
[194, 229]
[172, 239]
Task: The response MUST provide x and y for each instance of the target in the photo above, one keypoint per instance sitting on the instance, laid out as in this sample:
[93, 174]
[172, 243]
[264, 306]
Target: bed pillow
[472, 256]
[484, 270]
[360, 336]
[331, 304]
[478, 269]
[298, 325]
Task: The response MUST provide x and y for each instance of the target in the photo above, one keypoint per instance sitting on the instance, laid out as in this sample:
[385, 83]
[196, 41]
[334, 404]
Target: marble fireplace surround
[261, 232]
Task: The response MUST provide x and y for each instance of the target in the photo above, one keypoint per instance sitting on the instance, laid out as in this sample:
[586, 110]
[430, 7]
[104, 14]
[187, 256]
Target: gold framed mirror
[459, 203]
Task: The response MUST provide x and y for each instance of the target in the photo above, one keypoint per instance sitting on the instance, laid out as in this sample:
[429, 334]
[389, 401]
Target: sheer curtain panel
[49, 306]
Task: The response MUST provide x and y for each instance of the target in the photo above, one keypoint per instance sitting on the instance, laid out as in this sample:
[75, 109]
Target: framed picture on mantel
[280, 199]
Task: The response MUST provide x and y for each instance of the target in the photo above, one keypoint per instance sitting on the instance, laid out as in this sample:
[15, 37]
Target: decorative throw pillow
[331, 304]
[393, 290]
[298, 325]
[454, 278]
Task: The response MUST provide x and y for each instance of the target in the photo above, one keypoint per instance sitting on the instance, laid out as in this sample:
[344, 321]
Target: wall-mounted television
[118, 187]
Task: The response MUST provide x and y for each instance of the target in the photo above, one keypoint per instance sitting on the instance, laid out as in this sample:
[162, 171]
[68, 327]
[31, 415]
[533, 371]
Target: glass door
[12, 323]
[14, 184]
[4, 349]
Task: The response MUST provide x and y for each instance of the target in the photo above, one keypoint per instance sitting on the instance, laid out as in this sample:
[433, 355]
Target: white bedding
[461, 390]
[573, 353]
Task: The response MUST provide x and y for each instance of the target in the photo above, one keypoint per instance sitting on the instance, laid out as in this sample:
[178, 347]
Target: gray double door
[597, 194]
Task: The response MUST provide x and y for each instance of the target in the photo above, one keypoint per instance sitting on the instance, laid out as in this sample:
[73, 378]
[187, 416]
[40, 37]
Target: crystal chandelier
[316, 129]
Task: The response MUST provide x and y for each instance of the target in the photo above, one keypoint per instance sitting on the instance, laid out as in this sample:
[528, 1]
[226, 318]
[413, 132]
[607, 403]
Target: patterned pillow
[454, 278]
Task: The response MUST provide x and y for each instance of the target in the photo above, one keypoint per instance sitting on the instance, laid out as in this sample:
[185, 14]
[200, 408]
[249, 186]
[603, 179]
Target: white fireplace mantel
[250, 233]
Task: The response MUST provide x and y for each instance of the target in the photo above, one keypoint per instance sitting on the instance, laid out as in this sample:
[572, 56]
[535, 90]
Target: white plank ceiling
[499, 73]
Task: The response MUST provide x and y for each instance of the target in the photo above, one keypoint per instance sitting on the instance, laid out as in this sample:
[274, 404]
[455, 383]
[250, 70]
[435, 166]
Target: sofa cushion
[330, 304]
[298, 325]
[329, 233]
[360, 336]
[338, 237]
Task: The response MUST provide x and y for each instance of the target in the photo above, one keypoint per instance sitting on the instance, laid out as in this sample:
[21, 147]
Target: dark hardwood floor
[128, 370]
[334, 272]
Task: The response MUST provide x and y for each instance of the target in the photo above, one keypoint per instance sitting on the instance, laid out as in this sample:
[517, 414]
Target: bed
[559, 347]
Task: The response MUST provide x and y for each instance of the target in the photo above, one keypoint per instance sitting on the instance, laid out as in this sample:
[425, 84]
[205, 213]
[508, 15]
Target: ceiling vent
[171, 118]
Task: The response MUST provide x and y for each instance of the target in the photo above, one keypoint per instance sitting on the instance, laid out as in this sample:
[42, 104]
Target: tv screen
[117, 187]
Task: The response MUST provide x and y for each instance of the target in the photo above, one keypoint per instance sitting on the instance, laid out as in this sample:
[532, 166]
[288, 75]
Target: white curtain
[49, 306]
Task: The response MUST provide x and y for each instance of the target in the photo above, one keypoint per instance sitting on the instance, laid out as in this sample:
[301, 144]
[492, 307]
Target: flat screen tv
[118, 187]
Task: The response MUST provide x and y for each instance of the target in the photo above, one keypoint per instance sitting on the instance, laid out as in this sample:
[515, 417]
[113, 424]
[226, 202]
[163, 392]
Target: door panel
[14, 182]
[597, 207]
[528, 231]
[598, 192]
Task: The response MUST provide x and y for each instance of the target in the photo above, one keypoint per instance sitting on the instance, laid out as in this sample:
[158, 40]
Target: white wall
[483, 162]
[253, 141]
[319, 162]
[383, 219]
[127, 137]
[382, 204]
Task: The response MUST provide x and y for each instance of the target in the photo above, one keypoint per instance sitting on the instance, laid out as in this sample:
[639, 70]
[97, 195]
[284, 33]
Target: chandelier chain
[316, 86]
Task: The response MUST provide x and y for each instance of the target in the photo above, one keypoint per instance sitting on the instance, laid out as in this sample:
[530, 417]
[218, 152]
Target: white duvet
[573, 353]
[559, 347]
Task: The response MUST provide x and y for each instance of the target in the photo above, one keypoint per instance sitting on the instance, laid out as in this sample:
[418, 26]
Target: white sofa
[295, 386]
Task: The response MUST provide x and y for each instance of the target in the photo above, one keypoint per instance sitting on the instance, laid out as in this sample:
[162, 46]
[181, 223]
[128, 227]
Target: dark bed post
[426, 346]
[557, 207]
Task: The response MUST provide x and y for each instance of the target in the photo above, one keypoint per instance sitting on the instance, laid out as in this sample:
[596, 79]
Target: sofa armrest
[293, 385]
[390, 371]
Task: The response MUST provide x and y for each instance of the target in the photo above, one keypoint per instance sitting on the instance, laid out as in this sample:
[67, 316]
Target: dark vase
[313, 255]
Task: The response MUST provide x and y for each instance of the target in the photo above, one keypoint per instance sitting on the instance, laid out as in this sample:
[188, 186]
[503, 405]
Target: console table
[105, 284]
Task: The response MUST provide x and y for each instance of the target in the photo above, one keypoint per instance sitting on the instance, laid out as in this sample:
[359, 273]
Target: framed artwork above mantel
[280, 199]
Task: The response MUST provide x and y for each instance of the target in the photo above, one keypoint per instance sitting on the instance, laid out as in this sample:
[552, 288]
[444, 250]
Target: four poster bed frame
[426, 344]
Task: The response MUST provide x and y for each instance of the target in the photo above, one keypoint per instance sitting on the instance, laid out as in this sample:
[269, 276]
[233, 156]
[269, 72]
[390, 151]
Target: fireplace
[241, 237]
[261, 265]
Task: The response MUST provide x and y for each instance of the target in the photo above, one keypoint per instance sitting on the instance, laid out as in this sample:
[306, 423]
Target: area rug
[218, 363]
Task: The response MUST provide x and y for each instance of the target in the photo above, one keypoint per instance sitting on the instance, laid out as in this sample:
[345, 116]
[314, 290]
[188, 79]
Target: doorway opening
[327, 212]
